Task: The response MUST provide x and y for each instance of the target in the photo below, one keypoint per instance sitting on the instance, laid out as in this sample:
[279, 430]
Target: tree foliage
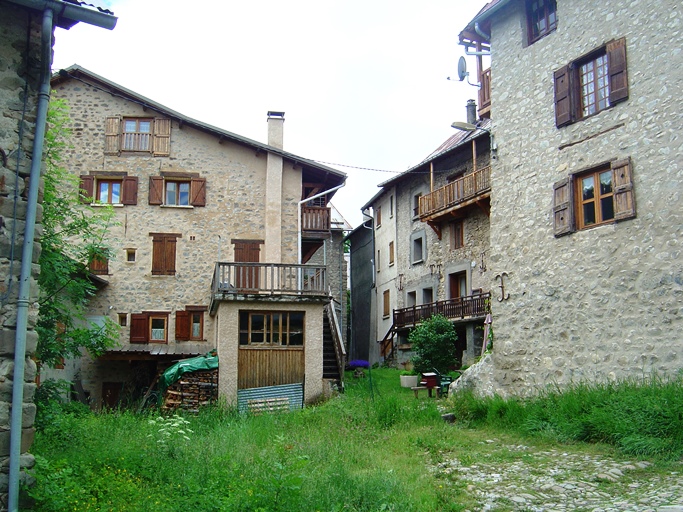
[433, 342]
[72, 235]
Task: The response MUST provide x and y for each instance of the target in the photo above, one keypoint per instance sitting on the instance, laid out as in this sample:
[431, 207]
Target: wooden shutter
[624, 198]
[616, 68]
[563, 210]
[112, 135]
[86, 188]
[169, 255]
[198, 192]
[158, 254]
[139, 326]
[182, 325]
[563, 106]
[129, 190]
[162, 137]
[99, 265]
[156, 190]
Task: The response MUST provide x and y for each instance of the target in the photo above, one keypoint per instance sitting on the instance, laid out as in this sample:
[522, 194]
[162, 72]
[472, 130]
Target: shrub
[433, 342]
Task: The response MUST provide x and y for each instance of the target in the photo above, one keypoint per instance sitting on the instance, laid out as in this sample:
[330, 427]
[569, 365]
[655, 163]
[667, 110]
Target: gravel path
[521, 478]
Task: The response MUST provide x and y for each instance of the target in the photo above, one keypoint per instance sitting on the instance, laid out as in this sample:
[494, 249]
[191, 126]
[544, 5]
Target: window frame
[141, 326]
[415, 259]
[596, 202]
[568, 97]
[551, 26]
[386, 303]
[284, 328]
[391, 253]
[159, 143]
[565, 204]
[158, 189]
[184, 322]
[89, 189]
[457, 234]
[378, 218]
[137, 145]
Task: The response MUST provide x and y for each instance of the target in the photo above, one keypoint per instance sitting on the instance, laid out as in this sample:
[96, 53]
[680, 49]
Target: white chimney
[276, 121]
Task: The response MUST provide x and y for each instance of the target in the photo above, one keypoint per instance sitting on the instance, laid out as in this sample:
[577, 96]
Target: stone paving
[553, 480]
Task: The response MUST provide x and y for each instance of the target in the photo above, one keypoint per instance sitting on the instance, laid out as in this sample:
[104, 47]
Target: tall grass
[355, 452]
[638, 416]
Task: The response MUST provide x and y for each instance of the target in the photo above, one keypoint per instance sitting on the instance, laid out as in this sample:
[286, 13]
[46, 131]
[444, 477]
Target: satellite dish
[462, 69]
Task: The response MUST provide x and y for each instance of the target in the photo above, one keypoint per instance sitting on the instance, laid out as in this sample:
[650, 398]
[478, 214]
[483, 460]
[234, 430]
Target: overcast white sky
[362, 82]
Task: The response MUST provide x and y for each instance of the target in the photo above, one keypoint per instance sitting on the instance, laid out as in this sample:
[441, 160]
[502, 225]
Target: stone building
[581, 94]
[430, 234]
[27, 29]
[214, 245]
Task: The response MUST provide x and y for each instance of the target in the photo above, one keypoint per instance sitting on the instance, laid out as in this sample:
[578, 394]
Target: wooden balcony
[457, 194]
[485, 94]
[315, 221]
[267, 279]
[461, 308]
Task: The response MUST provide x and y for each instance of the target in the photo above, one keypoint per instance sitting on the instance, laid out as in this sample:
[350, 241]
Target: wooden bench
[429, 390]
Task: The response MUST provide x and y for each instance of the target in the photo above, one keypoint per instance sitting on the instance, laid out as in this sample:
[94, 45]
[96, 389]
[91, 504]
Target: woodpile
[193, 390]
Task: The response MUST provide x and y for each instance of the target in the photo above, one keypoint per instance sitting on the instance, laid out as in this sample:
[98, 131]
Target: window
[130, 255]
[416, 204]
[123, 319]
[378, 217]
[411, 299]
[457, 234]
[427, 296]
[541, 18]
[189, 324]
[99, 265]
[600, 195]
[391, 207]
[391, 253]
[149, 327]
[387, 303]
[592, 83]
[417, 247]
[177, 189]
[379, 259]
[109, 188]
[457, 284]
[163, 253]
[137, 134]
[272, 328]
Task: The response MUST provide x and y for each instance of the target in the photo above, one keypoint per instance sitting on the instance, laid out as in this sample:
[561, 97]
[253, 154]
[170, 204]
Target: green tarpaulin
[208, 361]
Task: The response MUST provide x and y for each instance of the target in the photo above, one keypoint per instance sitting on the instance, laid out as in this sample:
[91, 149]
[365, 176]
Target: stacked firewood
[193, 390]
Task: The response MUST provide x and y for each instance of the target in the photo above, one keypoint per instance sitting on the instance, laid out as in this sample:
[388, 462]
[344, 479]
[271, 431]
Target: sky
[363, 83]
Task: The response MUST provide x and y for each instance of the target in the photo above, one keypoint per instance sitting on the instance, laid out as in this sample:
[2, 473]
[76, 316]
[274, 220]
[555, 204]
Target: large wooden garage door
[260, 367]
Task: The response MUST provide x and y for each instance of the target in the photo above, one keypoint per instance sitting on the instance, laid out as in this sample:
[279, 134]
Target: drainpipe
[76, 13]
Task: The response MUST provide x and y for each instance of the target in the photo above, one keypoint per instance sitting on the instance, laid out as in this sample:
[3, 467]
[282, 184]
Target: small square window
[130, 255]
[123, 319]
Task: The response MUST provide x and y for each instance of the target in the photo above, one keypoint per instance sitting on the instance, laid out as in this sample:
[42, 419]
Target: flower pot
[408, 381]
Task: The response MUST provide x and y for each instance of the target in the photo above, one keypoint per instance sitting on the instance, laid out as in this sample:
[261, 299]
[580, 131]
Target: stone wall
[601, 303]
[19, 69]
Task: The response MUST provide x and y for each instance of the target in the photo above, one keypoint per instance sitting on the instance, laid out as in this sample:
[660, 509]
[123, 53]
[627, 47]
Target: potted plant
[408, 378]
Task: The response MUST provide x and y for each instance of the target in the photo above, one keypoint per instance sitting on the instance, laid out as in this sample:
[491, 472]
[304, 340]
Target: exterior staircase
[334, 353]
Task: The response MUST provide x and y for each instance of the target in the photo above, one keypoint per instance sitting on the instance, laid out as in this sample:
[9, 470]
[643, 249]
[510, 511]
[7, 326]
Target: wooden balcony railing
[315, 218]
[485, 92]
[269, 278]
[456, 192]
[471, 306]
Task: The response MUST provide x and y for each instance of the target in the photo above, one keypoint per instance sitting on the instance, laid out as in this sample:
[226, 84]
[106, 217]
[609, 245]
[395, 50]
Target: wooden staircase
[334, 353]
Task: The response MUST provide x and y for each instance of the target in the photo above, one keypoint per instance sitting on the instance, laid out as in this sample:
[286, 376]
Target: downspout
[79, 14]
[26, 264]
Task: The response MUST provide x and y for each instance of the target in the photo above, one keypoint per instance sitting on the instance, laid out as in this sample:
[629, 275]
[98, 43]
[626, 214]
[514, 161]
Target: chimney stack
[276, 121]
[471, 112]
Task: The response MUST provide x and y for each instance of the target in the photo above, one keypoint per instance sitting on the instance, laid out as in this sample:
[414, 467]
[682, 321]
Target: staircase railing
[339, 349]
[386, 347]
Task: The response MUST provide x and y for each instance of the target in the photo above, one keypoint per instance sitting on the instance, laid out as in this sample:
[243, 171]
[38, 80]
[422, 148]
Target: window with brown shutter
[99, 265]
[177, 189]
[457, 234]
[149, 327]
[139, 323]
[182, 325]
[189, 324]
[593, 83]
[109, 188]
[137, 135]
[600, 195]
[164, 253]
[386, 311]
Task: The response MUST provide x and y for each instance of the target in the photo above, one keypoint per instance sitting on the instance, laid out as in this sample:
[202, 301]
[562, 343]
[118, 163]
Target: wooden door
[247, 251]
[457, 285]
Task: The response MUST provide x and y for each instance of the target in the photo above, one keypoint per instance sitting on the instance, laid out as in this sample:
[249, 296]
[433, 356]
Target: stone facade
[423, 261]
[607, 302]
[19, 69]
[238, 203]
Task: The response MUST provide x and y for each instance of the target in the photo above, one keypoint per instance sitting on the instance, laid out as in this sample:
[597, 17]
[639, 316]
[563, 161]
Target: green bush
[433, 342]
